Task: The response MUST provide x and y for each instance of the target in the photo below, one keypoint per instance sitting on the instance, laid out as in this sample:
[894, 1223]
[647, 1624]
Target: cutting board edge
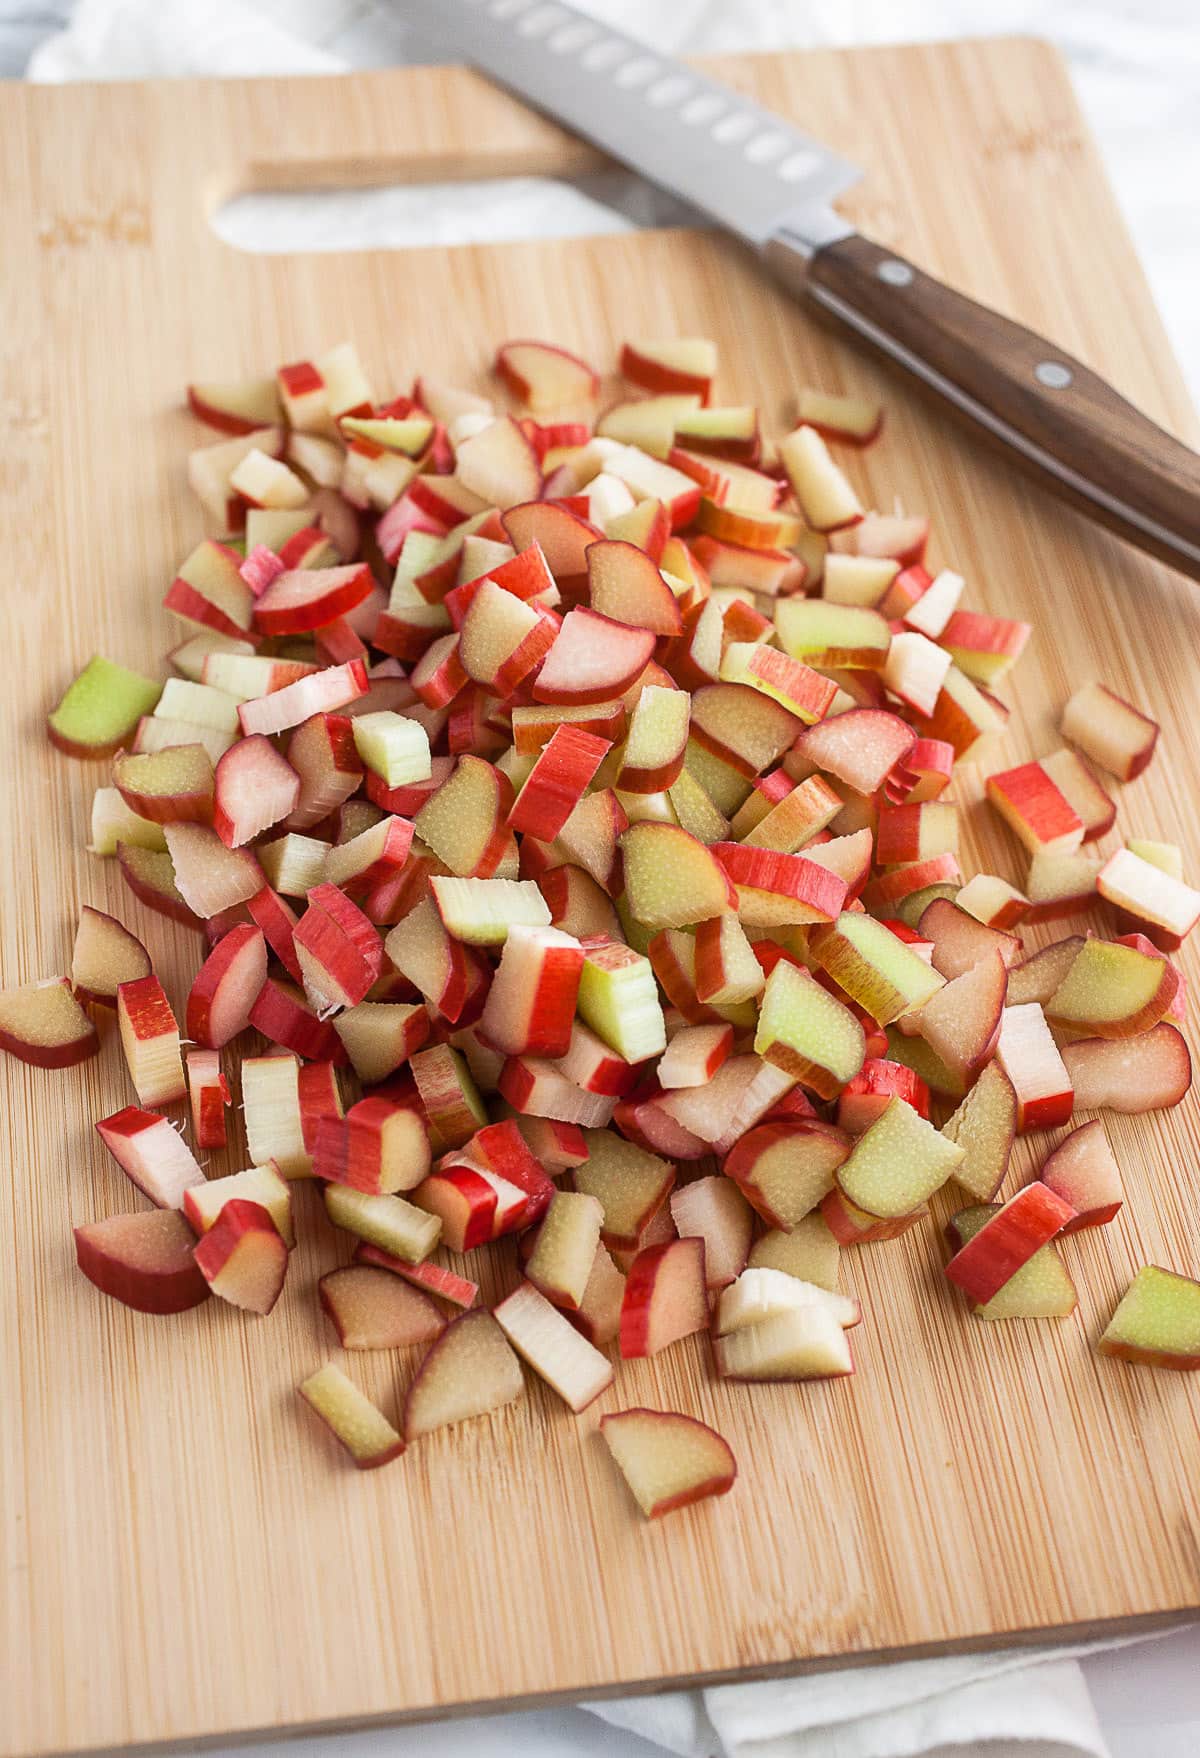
[1096, 1630]
[1091, 1630]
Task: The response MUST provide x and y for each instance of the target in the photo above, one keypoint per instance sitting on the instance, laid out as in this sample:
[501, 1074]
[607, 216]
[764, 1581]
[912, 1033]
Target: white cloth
[993, 1704]
[1016, 1704]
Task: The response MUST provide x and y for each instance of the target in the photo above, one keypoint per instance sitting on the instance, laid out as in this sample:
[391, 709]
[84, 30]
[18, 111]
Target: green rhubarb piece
[1157, 1322]
[809, 1252]
[877, 970]
[807, 1032]
[1112, 990]
[916, 1054]
[898, 1163]
[910, 909]
[101, 709]
[618, 998]
[395, 748]
[984, 1126]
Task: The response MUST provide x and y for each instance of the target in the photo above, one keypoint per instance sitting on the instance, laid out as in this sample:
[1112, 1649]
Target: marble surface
[1136, 67]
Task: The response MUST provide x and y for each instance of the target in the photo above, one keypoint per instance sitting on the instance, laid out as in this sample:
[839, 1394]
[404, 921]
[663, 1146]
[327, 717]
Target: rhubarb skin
[1028, 1221]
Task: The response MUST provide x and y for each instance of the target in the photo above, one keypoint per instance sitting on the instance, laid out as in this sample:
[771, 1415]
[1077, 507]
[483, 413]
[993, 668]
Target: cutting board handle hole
[406, 216]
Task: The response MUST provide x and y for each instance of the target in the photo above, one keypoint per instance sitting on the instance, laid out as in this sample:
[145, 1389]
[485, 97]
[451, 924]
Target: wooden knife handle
[1024, 394]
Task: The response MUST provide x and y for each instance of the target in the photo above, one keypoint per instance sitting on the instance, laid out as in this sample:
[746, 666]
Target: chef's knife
[773, 186]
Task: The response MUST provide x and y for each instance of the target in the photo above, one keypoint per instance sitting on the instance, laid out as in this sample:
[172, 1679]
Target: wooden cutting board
[184, 1554]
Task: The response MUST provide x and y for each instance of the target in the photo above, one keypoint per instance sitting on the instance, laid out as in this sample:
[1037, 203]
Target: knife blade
[748, 169]
[773, 186]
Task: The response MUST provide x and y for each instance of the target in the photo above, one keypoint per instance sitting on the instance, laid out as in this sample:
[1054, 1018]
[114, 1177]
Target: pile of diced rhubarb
[566, 806]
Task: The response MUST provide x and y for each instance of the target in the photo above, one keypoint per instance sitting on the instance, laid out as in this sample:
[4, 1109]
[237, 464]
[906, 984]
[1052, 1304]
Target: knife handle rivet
[1053, 374]
[894, 272]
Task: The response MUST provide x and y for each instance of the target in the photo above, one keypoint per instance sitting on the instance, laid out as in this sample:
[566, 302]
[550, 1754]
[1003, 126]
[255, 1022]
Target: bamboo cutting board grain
[184, 1555]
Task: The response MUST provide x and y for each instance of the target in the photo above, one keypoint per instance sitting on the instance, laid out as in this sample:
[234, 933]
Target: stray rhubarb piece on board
[469, 1370]
[100, 710]
[544, 377]
[800, 1343]
[1157, 1323]
[669, 1461]
[1109, 730]
[150, 1040]
[237, 406]
[44, 1025]
[349, 1414]
[856, 420]
[370, 1309]
[145, 1260]
[679, 364]
[152, 1154]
